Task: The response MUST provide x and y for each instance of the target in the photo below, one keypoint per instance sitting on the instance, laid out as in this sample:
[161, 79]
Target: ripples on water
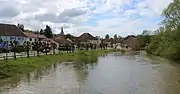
[114, 73]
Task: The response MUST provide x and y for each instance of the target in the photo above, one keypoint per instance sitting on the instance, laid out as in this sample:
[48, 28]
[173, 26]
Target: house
[130, 42]
[109, 42]
[50, 41]
[63, 42]
[88, 38]
[32, 36]
[9, 32]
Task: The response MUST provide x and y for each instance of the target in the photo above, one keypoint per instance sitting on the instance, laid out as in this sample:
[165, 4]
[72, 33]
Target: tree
[115, 39]
[36, 46]
[107, 36]
[54, 46]
[14, 45]
[27, 46]
[115, 36]
[21, 26]
[48, 32]
[172, 15]
[41, 32]
[146, 32]
[143, 40]
[166, 42]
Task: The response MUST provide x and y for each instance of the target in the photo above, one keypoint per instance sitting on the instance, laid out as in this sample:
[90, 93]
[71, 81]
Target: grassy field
[25, 65]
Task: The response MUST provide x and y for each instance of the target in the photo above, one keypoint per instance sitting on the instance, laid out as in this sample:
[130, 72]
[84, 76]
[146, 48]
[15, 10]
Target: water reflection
[7, 84]
[114, 73]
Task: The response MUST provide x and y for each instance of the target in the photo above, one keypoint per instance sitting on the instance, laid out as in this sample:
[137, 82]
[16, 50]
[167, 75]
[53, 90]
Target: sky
[98, 17]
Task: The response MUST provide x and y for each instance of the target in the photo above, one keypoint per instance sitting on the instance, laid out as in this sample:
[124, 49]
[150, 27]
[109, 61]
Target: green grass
[25, 65]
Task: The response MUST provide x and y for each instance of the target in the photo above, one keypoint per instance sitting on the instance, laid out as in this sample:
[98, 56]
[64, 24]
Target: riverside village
[90, 47]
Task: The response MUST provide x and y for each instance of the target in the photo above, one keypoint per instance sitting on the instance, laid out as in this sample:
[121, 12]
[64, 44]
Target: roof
[130, 40]
[62, 41]
[129, 36]
[71, 37]
[12, 30]
[49, 40]
[119, 40]
[87, 36]
[33, 35]
[109, 40]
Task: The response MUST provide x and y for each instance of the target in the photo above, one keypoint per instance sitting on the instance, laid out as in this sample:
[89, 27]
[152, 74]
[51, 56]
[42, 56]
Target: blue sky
[98, 17]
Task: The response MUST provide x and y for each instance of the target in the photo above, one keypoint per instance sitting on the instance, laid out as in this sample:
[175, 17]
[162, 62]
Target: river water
[111, 74]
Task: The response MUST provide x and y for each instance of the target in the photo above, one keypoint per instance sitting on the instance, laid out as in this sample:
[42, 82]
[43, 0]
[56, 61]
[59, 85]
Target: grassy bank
[25, 65]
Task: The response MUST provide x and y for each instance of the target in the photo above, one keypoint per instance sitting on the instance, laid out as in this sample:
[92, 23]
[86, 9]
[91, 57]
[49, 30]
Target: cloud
[99, 17]
[8, 10]
[64, 16]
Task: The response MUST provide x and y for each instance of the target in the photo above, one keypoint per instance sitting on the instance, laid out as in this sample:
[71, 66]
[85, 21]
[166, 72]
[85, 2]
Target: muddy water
[112, 74]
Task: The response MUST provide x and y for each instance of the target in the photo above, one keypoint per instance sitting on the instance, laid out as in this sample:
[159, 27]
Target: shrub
[18, 49]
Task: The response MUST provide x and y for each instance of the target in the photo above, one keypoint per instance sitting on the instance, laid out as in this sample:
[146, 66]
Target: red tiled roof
[12, 30]
[33, 35]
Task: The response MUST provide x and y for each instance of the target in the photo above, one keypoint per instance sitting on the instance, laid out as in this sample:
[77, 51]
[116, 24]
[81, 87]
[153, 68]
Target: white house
[10, 32]
[32, 37]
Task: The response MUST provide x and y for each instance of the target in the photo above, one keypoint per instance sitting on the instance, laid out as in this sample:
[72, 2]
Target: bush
[18, 49]
[3, 50]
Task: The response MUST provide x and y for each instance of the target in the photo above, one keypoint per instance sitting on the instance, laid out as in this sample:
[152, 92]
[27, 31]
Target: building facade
[10, 33]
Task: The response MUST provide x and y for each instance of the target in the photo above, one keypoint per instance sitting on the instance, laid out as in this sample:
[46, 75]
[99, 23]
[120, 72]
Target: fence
[3, 56]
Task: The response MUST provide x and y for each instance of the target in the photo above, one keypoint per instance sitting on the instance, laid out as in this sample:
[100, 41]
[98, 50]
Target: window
[19, 38]
[12, 37]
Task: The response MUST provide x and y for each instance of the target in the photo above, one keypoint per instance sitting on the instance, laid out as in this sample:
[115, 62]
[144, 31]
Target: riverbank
[25, 65]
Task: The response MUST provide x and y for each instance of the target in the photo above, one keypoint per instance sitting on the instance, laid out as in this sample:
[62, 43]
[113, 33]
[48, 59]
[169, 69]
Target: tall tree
[27, 46]
[48, 32]
[172, 15]
[115, 36]
[107, 36]
[41, 32]
[146, 32]
[166, 43]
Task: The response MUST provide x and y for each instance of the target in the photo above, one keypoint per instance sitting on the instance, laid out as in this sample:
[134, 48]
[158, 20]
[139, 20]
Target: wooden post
[7, 46]
[37, 43]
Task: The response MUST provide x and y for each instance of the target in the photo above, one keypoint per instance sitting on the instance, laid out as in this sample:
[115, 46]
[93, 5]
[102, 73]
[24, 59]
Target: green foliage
[143, 40]
[41, 32]
[167, 42]
[48, 32]
[115, 36]
[172, 15]
[107, 36]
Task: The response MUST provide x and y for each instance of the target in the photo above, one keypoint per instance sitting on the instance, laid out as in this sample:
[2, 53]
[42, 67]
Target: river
[111, 74]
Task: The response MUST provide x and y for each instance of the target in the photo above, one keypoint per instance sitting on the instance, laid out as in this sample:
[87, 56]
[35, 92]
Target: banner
[4, 45]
